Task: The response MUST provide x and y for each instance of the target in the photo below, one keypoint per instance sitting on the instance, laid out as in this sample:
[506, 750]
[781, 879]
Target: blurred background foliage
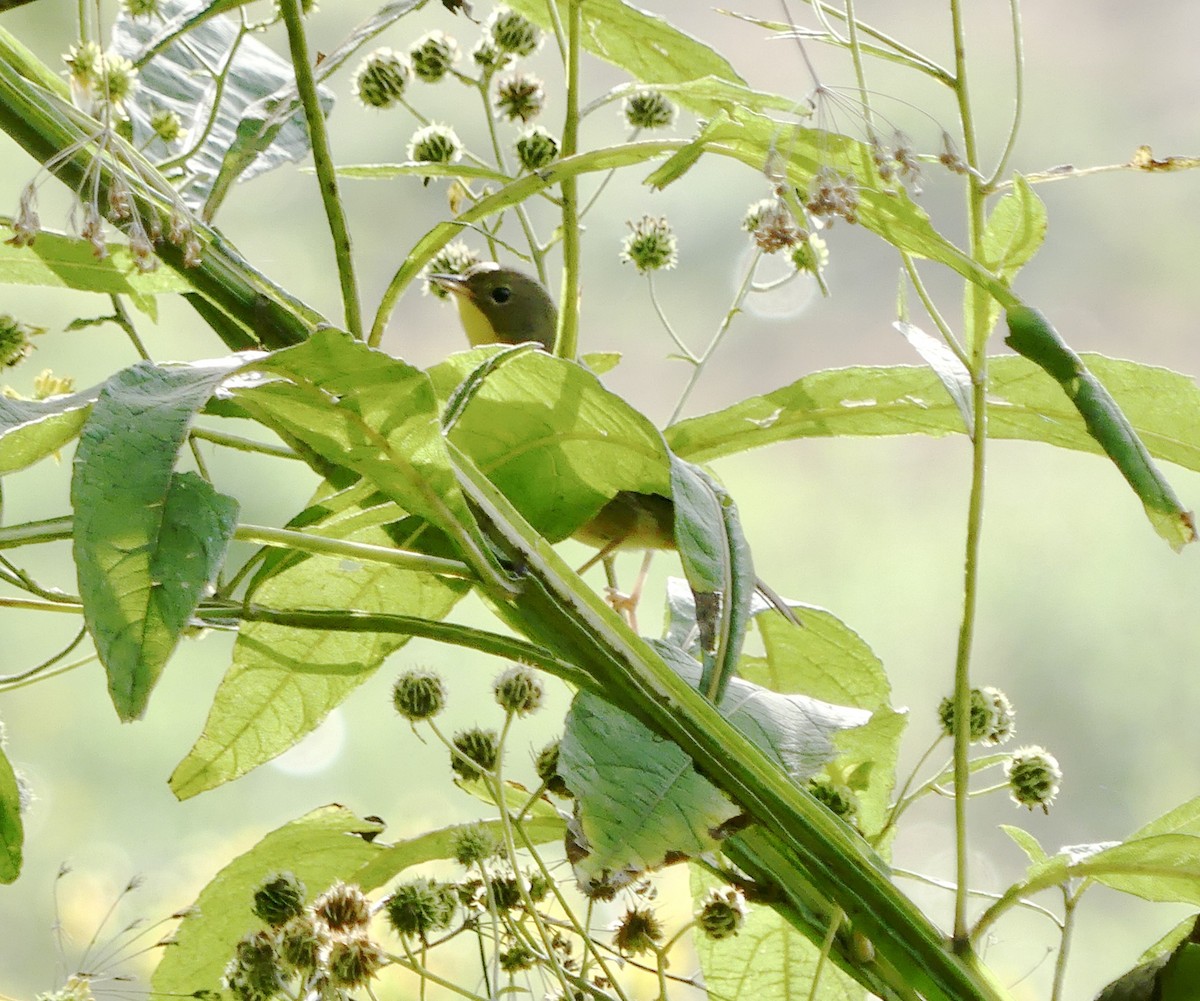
[1086, 620]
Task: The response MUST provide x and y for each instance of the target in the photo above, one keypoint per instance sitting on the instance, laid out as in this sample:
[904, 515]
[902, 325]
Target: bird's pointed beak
[454, 284]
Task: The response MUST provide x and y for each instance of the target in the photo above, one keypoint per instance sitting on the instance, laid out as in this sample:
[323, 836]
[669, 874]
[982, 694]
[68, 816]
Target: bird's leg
[627, 603]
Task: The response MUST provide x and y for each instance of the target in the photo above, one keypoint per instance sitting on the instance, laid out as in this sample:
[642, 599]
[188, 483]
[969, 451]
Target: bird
[503, 305]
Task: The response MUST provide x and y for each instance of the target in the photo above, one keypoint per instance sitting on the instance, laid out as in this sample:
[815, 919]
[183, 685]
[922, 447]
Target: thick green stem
[566, 345]
[323, 161]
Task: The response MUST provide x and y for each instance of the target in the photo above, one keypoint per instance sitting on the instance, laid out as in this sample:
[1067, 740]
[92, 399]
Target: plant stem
[323, 161]
[566, 344]
[1064, 949]
[976, 317]
[1018, 95]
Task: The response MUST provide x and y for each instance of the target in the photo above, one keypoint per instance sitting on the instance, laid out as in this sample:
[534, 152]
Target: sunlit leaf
[1025, 404]
[284, 681]
[33, 429]
[59, 261]
[319, 848]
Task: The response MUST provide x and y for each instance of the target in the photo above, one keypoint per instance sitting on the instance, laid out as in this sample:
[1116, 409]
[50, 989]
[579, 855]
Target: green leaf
[258, 125]
[555, 441]
[1184, 819]
[947, 367]
[646, 46]
[1026, 842]
[363, 410]
[823, 658]
[147, 543]
[1031, 335]
[1163, 406]
[319, 848]
[767, 960]
[641, 801]
[12, 834]
[1162, 867]
[284, 681]
[1014, 232]
[59, 261]
[33, 429]
[601, 362]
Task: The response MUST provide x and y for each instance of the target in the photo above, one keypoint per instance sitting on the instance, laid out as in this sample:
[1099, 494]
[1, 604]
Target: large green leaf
[553, 439]
[284, 681]
[319, 848]
[12, 833]
[147, 543]
[1031, 334]
[1026, 404]
[33, 429]
[641, 801]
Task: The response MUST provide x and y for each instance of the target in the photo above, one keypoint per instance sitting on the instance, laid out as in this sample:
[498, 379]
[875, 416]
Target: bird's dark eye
[501, 294]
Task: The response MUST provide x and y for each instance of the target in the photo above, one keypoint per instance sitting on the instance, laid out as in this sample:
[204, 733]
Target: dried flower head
[419, 695]
[421, 906]
[279, 898]
[354, 960]
[982, 717]
[512, 32]
[771, 223]
[343, 908]
[518, 690]
[651, 245]
[536, 148]
[1033, 777]
[381, 78]
[303, 942]
[255, 972]
[520, 97]
[638, 930]
[832, 194]
[1003, 716]
[477, 751]
[432, 55]
[647, 108]
[435, 144]
[488, 57]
